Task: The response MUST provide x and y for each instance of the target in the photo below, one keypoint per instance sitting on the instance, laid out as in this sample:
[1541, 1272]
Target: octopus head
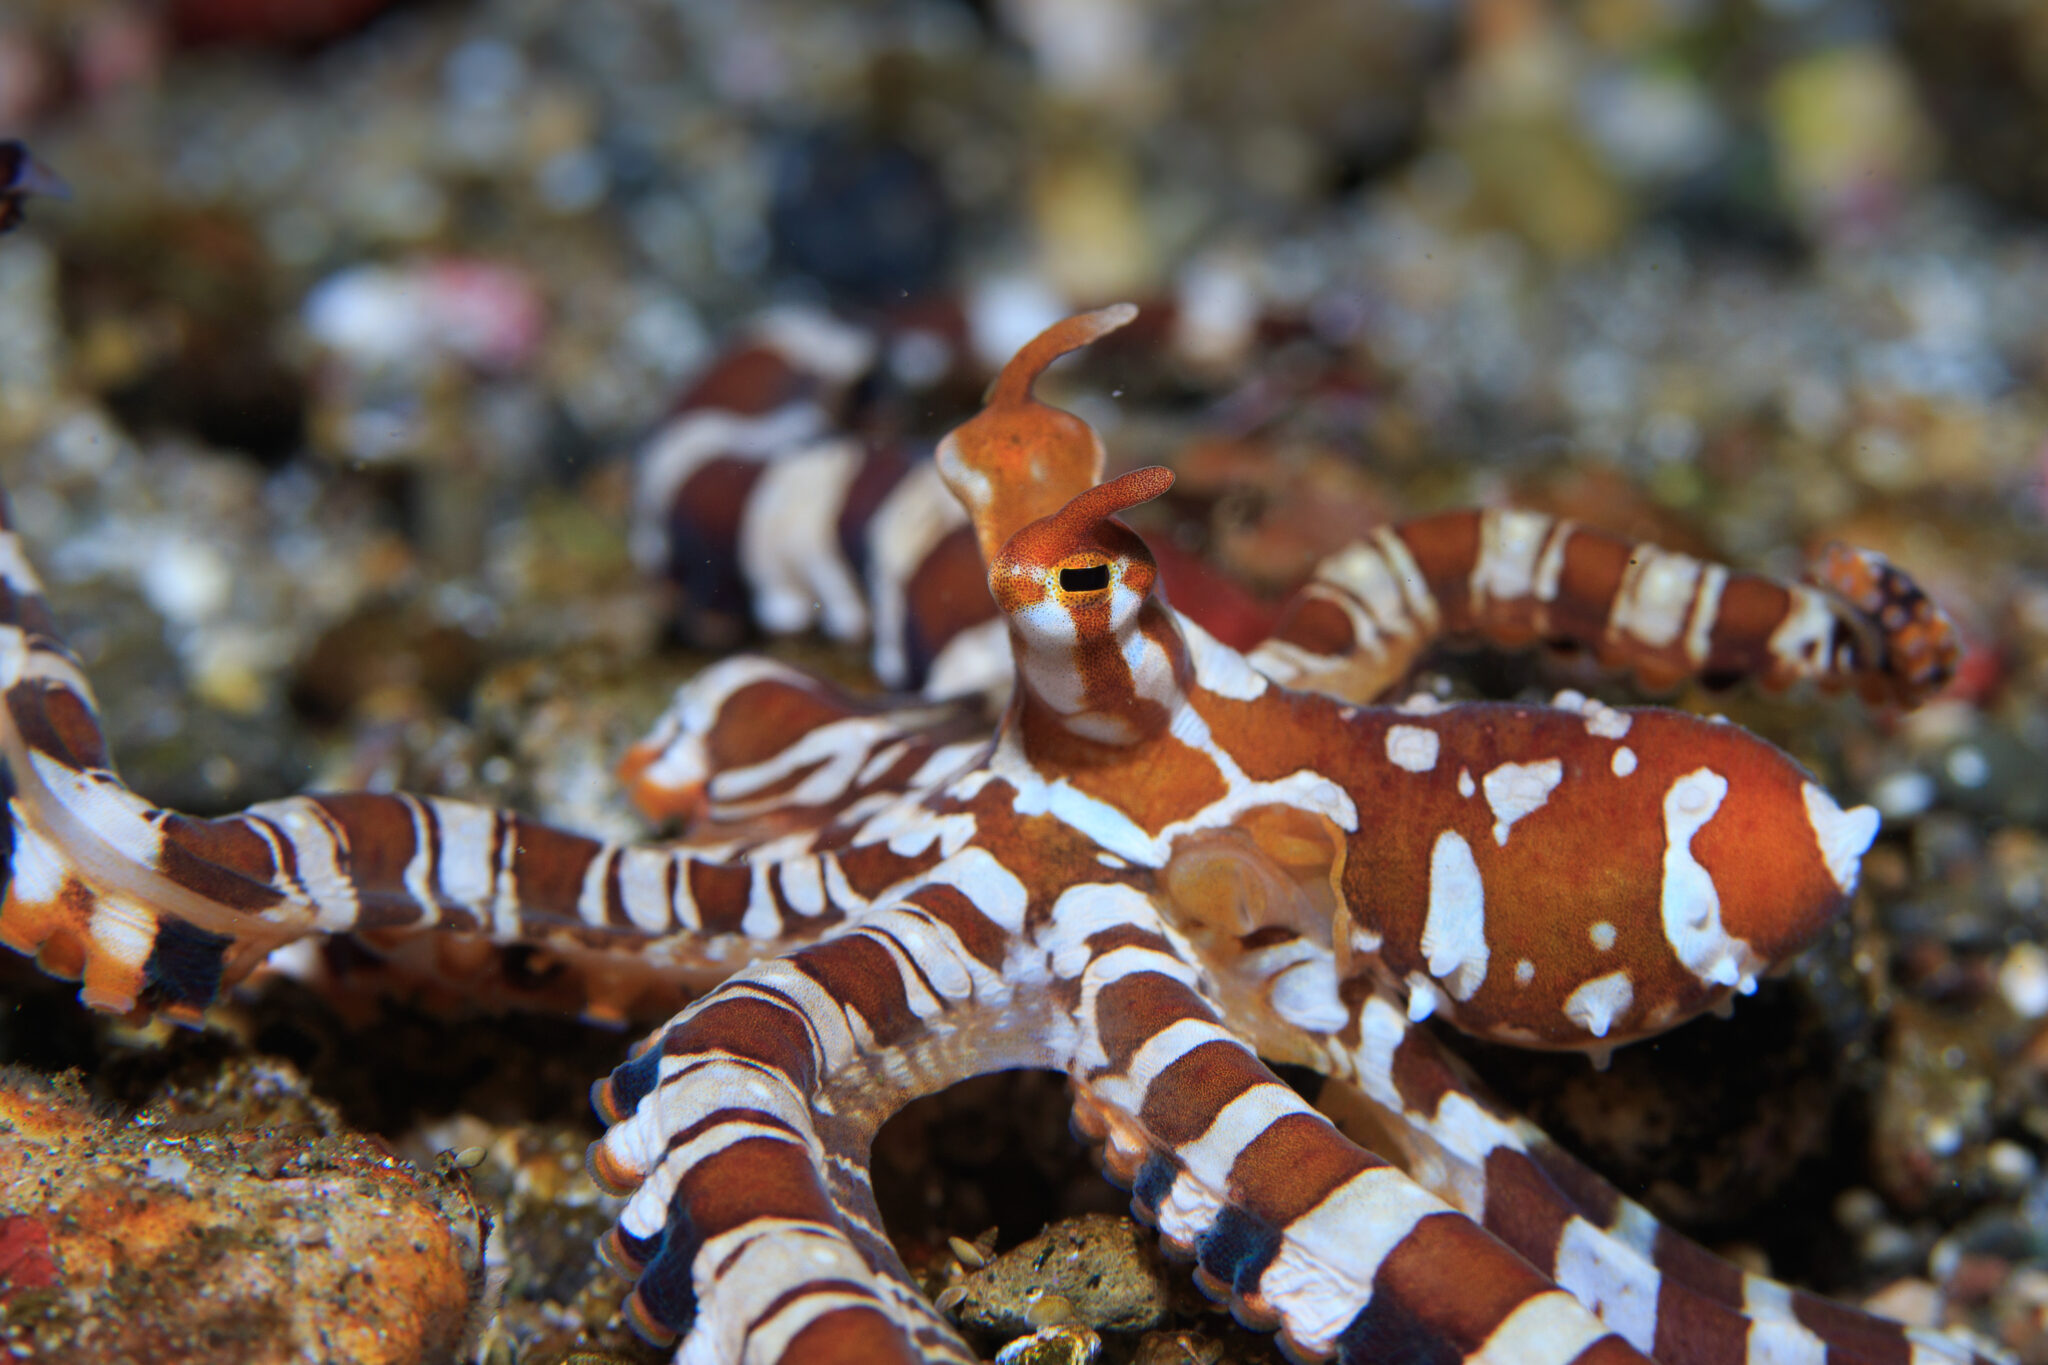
[1093, 642]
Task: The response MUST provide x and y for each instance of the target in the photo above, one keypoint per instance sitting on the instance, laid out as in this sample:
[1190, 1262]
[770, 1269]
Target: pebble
[1065, 1345]
[1096, 1270]
[2023, 980]
[1177, 1348]
[250, 1248]
[1902, 795]
[404, 317]
[2010, 1164]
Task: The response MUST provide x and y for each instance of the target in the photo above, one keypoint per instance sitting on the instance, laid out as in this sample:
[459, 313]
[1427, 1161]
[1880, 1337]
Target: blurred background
[318, 397]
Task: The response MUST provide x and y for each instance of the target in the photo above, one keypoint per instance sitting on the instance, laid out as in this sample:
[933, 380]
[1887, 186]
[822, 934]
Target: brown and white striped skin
[771, 494]
[152, 909]
[1160, 868]
[764, 499]
[1667, 1295]
[1515, 578]
[766, 495]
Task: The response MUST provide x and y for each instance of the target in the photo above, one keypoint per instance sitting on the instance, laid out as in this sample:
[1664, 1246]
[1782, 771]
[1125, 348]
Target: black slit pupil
[1090, 579]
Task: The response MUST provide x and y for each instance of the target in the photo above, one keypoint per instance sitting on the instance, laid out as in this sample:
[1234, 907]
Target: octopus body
[1169, 864]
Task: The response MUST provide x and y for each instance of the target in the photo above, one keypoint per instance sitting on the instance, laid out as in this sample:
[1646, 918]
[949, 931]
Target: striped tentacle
[781, 388]
[153, 909]
[741, 1131]
[1670, 1297]
[763, 501]
[1920, 646]
[752, 748]
[761, 506]
[1301, 1230]
[1517, 578]
[1394, 1085]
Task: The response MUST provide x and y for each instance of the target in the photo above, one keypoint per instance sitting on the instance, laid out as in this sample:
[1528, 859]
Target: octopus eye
[1088, 578]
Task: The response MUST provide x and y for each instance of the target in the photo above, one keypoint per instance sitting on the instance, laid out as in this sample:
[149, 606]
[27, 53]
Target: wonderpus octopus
[1167, 865]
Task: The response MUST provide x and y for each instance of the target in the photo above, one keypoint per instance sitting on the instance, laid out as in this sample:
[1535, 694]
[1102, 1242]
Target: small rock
[1096, 1270]
[2023, 980]
[26, 1262]
[1177, 1348]
[241, 1245]
[969, 1254]
[1067, 1345]
[405, 317]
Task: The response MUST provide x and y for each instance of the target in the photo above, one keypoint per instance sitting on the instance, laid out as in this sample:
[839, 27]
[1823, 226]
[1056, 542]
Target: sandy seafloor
[318, 398]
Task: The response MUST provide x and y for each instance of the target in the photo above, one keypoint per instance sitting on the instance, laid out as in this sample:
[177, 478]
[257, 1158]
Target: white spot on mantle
[1602, 721]
[1690, 903]
[1514, 790]
[1454, 931]
[1599, 1002]
[1413, 748]
[1843, 835]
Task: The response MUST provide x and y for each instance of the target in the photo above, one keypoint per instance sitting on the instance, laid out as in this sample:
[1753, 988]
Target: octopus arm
[151, 909]
[1664, 1293]
[1299, 1229]
[1514, 578]
[740, 1131]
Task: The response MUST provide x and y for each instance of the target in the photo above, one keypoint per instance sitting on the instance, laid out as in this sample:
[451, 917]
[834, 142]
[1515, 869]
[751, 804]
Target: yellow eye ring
[1084, 578]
